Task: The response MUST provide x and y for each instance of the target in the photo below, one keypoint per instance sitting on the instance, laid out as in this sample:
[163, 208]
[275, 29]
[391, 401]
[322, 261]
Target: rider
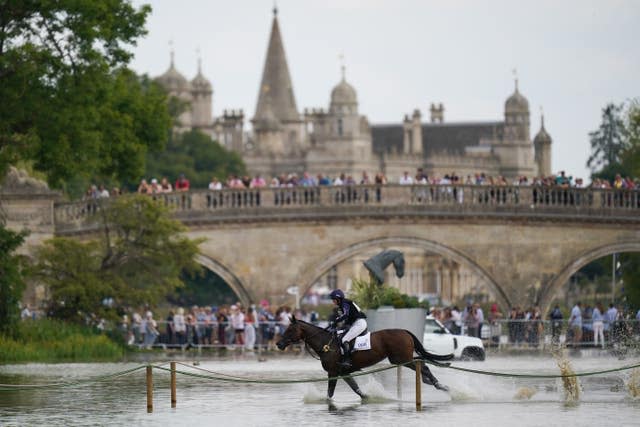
[354, 320]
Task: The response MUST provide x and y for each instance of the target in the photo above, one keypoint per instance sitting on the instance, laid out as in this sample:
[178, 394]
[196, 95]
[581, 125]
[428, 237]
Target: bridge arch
[228, 276]
[583, 259]
[311, 275]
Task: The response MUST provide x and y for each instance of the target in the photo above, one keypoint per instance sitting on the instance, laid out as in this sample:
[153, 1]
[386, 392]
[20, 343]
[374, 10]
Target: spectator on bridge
[258, 182]
[182, 183]
[165, 185]
[215, 184]
[323, 179]
[405, 179]
[144, 187]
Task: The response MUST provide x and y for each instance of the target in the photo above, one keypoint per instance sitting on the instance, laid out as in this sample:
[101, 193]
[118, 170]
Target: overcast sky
[572, 57]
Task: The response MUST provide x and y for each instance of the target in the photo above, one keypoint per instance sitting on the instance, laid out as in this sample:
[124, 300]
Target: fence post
[418, 385]
[149, 389]
[173, 385]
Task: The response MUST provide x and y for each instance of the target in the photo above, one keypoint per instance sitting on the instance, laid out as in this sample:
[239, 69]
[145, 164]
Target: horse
[398, 345]
[376, 265]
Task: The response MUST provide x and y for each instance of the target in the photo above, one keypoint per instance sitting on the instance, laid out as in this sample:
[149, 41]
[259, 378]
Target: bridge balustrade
[522, 200]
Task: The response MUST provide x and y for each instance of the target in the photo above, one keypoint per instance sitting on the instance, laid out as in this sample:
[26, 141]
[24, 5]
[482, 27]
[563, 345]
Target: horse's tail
[419, 348]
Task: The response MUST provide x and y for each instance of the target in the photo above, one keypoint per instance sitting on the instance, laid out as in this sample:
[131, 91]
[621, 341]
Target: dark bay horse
[398, 345]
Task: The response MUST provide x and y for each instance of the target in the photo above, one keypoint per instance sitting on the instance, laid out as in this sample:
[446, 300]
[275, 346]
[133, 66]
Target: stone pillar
[406, 140]
[416, 133]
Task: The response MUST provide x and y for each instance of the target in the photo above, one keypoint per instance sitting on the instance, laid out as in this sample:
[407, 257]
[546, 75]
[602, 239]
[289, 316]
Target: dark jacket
[349, 312]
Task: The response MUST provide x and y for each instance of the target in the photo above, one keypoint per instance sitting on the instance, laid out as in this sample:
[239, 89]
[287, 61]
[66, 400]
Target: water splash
[525, 393]
[633, 384]
[571, 385]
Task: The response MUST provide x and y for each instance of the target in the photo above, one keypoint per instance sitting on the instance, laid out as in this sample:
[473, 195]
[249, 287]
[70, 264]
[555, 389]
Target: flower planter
[412, 319]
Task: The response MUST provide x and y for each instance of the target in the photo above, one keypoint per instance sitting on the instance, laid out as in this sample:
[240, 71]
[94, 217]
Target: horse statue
[376, 265]
[398, 345]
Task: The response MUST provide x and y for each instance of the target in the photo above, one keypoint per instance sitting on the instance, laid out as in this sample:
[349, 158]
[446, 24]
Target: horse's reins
[325, 348]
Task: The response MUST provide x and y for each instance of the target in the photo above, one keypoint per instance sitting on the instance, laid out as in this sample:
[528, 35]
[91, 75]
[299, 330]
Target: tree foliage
[609, 142]
[137, 260]
[12, 268]
[69, 106]
[197, 156]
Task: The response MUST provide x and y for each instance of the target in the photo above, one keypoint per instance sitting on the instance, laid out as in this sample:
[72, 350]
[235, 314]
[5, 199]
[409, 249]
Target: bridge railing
[526, 200]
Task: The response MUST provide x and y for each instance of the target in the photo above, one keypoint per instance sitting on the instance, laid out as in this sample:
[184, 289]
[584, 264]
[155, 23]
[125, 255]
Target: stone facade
[340, 140]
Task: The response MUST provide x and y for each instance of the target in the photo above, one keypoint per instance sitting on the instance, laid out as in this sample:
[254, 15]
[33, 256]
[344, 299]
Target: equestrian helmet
[336, 294]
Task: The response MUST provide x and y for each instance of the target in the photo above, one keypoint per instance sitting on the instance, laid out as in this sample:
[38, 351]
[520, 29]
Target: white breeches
[356, 329]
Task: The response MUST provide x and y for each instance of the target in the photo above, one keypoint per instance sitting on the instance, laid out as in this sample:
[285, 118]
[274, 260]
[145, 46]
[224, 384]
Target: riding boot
[346, 355]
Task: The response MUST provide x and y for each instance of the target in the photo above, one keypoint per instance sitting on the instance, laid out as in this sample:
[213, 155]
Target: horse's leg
[428, 377]
[332, 387]
[354, 386]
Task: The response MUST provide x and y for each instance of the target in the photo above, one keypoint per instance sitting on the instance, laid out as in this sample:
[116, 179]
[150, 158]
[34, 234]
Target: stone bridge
[520, 240]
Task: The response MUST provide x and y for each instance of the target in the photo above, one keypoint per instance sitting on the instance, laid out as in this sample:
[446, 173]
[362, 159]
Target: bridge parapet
[465, 200]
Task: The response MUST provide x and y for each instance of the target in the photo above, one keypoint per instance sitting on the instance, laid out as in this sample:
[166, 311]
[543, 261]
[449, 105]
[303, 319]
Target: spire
[276, 80]
[541, 118]
[171, 54]
[515, 77]
[199, 61]
[343, 68]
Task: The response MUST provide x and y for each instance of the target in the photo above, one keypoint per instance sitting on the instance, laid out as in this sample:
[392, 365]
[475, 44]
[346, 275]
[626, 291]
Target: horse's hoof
[441, 387]
[364, 398]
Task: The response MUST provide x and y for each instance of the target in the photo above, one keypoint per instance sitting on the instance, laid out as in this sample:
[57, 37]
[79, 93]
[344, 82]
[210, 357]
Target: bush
[48, 340]
[369, 295]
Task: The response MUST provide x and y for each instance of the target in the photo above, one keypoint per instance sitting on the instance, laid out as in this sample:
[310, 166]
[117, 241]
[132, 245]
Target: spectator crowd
[182, 183]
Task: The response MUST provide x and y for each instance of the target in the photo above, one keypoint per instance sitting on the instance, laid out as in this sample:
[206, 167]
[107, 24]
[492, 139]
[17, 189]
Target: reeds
[52, 341]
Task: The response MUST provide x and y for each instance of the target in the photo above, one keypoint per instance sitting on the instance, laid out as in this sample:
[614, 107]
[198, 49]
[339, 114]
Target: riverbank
[53, 341]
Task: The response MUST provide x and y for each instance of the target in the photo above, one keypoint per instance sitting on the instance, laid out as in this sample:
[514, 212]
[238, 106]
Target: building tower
[178, 86]
[516, 117]
[542, 148]
[276, 116]
[201, 105]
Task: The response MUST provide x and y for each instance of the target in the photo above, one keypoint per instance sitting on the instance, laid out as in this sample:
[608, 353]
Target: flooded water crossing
[474, 399]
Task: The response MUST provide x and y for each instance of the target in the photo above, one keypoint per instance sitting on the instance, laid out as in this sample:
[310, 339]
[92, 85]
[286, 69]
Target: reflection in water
[485, 400]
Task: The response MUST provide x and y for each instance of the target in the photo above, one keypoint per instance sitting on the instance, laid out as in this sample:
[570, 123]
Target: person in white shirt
[405, 179]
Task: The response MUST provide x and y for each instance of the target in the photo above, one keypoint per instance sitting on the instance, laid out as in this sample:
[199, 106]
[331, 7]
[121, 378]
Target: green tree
[630, 272]
[631, 158]
[12, 268]
[69, 106]
[137, 260]
[197, 156]
[609, 142]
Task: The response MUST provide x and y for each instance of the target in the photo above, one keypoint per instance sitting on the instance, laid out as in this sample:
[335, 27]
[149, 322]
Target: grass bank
[48, 340]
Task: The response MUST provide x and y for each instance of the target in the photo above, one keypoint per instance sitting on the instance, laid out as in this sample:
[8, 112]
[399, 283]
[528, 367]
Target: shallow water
[478, 399]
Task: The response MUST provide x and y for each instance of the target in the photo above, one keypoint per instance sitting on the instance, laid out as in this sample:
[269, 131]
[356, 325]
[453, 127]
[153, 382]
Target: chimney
[437, 113]
[416, 132]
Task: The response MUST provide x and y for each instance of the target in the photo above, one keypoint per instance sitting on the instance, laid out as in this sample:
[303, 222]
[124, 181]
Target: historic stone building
[338, 139]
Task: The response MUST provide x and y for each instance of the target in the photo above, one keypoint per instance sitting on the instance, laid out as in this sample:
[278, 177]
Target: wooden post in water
[399, 388]
[418, 385]
[149, 389]
[173, 385]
